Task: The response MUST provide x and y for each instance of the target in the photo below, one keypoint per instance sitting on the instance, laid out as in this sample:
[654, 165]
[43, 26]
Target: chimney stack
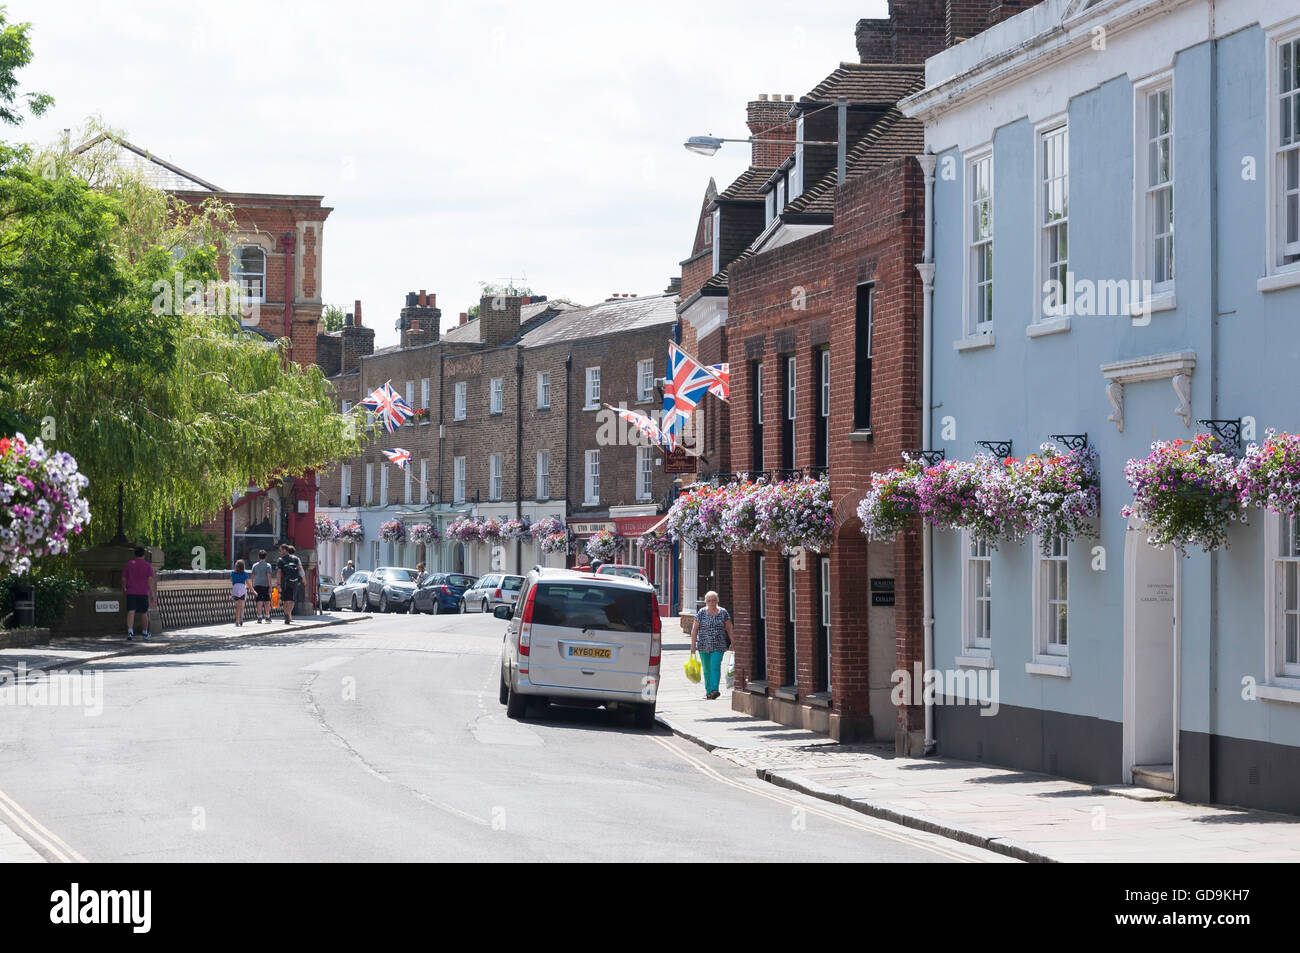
[916, 29]
[356, 312]
[498, 319]
[464, 319]
[768, 118]
[420, 320]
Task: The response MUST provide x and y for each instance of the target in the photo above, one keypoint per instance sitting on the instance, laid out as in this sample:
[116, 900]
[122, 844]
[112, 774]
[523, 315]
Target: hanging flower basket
[392, 532]
[490, 530]
[326, 530]
[351, 532]
[1269, 474]
[546, 526]
[423, 534]
[742, 526]
[604, 545]
[557, 542]
[515, 529]
[658, 542]
[40, 503]
[798, 514]
[1187, 493]
[1061, 493]
[886, 510]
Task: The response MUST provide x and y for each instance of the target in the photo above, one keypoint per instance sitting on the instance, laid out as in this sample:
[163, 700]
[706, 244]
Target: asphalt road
[383, 740]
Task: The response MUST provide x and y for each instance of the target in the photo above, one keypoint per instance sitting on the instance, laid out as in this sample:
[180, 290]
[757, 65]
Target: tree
[331, 318]
[176, 403]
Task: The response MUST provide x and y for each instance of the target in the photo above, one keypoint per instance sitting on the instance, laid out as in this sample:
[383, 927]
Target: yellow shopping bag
[692, 668]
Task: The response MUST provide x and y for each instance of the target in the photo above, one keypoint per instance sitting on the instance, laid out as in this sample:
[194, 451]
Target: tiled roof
[747, 185]
[893, 136]
[467, 333]
[608, 317]
[880, 84]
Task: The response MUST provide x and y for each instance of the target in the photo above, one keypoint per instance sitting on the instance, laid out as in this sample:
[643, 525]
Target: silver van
[583, 637]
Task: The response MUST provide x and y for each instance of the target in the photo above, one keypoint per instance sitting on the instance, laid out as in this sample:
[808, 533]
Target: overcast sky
[455, 141]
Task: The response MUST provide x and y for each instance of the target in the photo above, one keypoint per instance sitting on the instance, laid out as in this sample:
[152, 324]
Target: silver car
[582, 637]
[494, 589]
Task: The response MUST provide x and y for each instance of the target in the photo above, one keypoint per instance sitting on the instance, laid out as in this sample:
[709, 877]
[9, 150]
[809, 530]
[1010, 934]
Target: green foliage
[489, 289]
[15, 53]
[178, 548]
[331, 318]
[54, 594]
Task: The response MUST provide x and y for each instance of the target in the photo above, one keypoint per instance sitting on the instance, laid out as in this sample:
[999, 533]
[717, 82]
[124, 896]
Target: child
[239, 590]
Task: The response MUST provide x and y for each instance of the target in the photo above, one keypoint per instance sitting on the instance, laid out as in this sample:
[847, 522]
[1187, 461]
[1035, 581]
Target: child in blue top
[239, 589]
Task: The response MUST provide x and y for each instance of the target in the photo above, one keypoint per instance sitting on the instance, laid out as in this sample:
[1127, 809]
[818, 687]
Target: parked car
[494, 589]
[391, 588]
[582, 637]
[441, 592]
[324, 589]
[351, 592]
[623, 569]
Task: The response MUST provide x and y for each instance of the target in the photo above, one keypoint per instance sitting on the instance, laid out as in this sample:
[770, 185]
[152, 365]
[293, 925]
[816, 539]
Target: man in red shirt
[137, 582]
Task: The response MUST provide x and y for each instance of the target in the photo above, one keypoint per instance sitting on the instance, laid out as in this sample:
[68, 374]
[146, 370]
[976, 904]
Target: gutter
[926, 270]
[519, 453]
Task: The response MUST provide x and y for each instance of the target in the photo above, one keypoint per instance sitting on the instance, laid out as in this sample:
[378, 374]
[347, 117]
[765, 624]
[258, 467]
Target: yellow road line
[38, 832]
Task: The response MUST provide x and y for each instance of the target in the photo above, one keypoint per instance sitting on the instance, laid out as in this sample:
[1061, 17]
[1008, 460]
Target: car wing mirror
[504, 612]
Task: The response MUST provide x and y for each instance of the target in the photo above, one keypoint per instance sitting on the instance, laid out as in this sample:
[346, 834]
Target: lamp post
[709, 145]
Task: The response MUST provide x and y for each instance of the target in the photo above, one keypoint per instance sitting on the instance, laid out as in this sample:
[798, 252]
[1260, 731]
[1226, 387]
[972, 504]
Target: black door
[760, 619]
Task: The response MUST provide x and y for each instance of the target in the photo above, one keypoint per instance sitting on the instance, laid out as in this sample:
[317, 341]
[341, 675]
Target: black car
[441, 592]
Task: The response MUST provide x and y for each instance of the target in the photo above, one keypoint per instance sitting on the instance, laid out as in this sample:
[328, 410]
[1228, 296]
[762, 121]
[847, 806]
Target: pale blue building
[1147, 155]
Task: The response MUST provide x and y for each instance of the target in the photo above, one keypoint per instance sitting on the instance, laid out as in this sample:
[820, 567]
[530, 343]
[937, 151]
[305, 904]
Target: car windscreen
[627, 571]
[584, 606]
[357, 577]
[402, 575]
[512, 583]
[459, 581]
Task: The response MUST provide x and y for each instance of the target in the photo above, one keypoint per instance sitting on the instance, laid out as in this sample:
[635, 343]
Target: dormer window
[248, 267]
[708, 230]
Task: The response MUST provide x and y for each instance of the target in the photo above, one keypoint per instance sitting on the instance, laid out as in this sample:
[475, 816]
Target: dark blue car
[441, 592]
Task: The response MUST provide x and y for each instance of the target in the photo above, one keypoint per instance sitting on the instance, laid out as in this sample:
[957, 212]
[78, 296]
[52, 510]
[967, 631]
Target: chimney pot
[356, 311]
[464, 317]
[762, 97]
[433, 301]
[423, 297]
[789, 97]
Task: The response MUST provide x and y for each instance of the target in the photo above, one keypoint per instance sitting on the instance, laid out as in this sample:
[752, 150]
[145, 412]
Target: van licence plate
[583, 651]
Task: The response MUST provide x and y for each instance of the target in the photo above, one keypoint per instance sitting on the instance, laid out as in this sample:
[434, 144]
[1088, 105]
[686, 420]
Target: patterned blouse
[713, 630]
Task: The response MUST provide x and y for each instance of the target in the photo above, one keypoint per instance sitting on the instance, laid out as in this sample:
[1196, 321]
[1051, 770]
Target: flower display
[392, 532]
[423, 533]
[40, 503]
[1060, 492]
[515, 529]
[1187, 493]
[546, 526]
[326, 529]
[489, 530]
[656, 542]
[465, 529]
[892, 501]
[1269, 474]
[789, 515]
[350, 532]
[604, 545]
[557, 542]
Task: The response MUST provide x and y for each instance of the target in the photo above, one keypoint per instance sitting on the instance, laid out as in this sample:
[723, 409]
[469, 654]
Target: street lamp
[709, 145]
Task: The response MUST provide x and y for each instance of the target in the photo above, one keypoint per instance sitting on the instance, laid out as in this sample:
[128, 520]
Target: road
[383, 740]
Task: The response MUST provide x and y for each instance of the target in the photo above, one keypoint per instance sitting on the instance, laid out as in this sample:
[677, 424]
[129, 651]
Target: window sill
[1160, 301]
[861, 436]
[1047, 326]
[787, 693]
[1284, 279]
[973, 343]
[544, 407]
[592, 407]
[1055, 669]
[818, 699]
[974, 661]
[757, 686]
[645, 400]
[1279, 693]
[457, 420]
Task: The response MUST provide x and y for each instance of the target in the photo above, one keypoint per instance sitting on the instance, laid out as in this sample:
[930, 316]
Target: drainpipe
[926, 269]
[568, 416]
[288, 241]
[519, 455]
[1214, 412]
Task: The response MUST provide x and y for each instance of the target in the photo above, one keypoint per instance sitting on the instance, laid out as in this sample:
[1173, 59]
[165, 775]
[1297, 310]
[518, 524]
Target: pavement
[73, 653]
[1030, 817]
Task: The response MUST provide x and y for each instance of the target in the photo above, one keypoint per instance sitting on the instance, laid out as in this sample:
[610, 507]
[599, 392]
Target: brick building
[823, 337]
[276, 253]
[514, 427]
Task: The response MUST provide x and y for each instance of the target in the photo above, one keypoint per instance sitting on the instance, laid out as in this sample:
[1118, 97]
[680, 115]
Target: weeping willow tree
[179, 405]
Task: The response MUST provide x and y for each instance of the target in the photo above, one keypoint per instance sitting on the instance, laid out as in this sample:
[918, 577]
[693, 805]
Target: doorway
[1151, 650]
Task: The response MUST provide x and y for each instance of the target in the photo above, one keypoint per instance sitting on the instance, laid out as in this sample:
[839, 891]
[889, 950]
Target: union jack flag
[388, 404]
[722, 386]
[687, 383]
[399, 456]
[646, 425]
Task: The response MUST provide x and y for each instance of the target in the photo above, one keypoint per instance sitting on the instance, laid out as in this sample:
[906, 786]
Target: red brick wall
[769, 119]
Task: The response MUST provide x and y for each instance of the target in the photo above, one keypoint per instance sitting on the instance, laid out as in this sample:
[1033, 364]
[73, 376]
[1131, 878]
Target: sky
[456, 142]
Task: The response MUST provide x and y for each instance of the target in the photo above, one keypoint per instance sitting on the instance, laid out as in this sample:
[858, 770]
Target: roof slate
[877, 84]
[608, 317]
[892, 137]
[747, 186]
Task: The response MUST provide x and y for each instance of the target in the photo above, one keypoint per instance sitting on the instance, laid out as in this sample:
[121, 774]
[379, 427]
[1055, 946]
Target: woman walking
[239, 589]
[712, 632]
